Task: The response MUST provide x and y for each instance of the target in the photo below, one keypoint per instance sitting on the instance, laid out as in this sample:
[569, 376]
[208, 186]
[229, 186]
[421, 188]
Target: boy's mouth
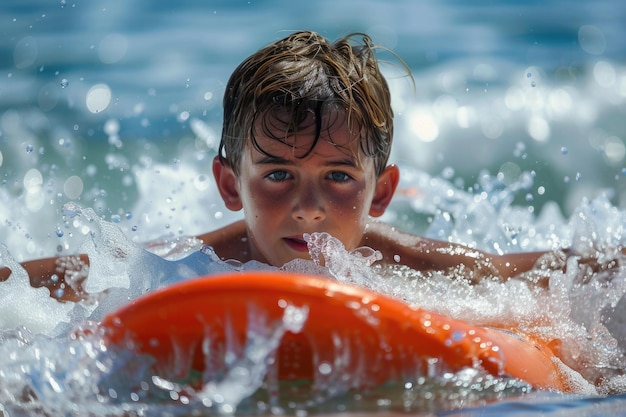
[297, 243]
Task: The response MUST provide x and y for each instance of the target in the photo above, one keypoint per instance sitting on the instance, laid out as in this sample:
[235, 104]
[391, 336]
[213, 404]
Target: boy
[306, 138]
[307, 134]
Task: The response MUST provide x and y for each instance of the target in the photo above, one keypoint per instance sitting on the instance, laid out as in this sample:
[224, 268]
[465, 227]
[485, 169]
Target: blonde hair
[283, 83]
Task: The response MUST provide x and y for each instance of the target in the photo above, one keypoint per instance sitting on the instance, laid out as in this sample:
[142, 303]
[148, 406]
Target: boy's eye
[338, 176]
[278, 175]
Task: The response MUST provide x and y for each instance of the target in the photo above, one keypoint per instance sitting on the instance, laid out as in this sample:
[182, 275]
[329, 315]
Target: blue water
[116, 105]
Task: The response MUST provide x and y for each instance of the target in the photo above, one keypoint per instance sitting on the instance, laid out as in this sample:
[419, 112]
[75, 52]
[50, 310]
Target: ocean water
[512, 139]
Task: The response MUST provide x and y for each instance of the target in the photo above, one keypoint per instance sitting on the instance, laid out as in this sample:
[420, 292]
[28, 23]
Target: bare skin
[397, 247]
[51, 273]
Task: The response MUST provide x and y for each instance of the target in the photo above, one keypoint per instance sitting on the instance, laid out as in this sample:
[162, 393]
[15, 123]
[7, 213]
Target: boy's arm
[63, 275]
[424, 254]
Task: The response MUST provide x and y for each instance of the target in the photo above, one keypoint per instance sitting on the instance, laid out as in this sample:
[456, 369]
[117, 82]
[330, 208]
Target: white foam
[24, 306]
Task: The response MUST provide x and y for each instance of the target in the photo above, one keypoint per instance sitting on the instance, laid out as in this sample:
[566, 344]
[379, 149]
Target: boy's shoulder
[229, 242]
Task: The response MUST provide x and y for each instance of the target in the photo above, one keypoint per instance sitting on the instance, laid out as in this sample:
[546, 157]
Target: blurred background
[116, 104]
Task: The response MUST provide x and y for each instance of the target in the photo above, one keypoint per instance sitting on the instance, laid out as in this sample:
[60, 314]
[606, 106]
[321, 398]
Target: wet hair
[304, 82]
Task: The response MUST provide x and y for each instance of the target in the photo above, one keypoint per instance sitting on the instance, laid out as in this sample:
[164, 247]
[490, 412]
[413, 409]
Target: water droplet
[533, 84]
[528, 75]
[184, 116]
[448, 173]
[71, 210]
[325, 368]
[112, 127]
[59, 232]
[66, 143]
[98, 98]
[64, 83]
[564, 150]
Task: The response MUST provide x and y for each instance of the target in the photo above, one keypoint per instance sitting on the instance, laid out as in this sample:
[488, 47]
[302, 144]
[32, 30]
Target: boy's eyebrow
[271, 160]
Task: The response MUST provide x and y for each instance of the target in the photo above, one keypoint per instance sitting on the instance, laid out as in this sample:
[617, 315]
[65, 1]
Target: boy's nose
[308, 205]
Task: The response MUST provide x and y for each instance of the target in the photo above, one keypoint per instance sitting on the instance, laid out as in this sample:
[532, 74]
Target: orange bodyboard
[365, 336]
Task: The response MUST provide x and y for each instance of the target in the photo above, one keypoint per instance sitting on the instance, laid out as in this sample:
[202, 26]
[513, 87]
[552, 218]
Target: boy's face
[284, 197]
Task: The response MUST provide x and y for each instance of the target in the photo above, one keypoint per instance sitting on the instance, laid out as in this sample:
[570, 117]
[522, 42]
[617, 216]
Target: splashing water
[52, 350]
[580, 313]
[342, 264]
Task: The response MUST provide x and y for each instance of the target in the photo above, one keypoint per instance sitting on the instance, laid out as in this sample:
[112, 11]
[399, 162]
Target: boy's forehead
[284, 119]
[301, 147]
[273, 132]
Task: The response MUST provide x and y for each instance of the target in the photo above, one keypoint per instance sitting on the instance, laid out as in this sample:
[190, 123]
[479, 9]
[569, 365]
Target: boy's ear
[227, 185]
[386, 185]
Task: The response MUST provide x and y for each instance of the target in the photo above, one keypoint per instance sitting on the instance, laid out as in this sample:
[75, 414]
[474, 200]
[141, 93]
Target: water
[513, 139]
